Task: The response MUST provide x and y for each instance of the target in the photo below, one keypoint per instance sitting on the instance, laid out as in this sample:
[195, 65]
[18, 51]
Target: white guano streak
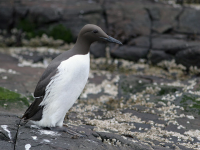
[5, 127]
[27, 146]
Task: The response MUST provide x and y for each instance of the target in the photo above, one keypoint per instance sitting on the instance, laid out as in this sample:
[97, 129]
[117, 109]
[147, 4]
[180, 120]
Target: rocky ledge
[125, 105]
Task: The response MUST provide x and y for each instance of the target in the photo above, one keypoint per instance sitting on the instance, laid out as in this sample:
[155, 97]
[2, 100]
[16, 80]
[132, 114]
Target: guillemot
[63, 81]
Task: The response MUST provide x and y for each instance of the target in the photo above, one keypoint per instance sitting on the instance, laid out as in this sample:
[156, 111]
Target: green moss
[167, 90]
[26, 25]
[57, 31]
[186, 98]
[131, 87]
[7, 97]
[190, 103]
[197, 106]
[60, 32]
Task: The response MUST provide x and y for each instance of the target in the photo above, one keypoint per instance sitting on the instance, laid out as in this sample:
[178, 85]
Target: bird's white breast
[64, 89]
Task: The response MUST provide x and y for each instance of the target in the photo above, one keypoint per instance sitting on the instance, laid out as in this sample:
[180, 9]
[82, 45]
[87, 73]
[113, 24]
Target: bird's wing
[34, 112]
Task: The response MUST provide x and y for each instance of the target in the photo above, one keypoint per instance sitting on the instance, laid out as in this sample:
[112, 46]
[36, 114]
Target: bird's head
[94, 33]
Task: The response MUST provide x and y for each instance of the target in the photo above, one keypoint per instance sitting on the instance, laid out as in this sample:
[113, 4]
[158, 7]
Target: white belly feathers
[64, 89]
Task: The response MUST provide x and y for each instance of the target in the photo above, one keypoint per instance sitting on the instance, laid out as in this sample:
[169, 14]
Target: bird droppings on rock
[4, 77]
[9, 71]
[5, 127]
[34, 126]
[34, 137]
[190, 117]
[34, 57]
[45, 140]
[193, 133]
[52, 133]
[108, 87]
[27, 146]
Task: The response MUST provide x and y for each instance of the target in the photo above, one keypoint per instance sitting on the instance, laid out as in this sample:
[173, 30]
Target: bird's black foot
[66, 129]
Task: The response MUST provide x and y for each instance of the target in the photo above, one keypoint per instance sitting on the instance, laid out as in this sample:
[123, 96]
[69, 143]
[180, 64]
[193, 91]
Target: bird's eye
[95, 31]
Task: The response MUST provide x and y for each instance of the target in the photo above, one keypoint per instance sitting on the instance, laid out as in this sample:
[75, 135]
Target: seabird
[63, 81]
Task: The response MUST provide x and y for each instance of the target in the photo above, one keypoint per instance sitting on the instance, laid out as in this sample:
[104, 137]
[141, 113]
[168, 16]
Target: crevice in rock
[178, 16]
[90, 12]
[12, 20]
[150, 35]
[104, 15]
[15, 139]
[26, 14]
[5, 137]
[168, 31]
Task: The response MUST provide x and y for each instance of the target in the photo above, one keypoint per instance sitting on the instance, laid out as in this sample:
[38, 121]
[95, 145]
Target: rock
[14, 134]
[157, 56]
[141, 41]
[172, 44]
[130, 145]
[127, 19]
[189, 15]
[6, 15]
[169, 45]
[98, 49]
[25, 78]
[131, 84]
[129, 52]
[189, 57]
[78, 13]
[164, 17]
[95, 18]
[20, 11]
[42, 15]
[73, 14]
[8, 130]
[55, 140]
[34, 58]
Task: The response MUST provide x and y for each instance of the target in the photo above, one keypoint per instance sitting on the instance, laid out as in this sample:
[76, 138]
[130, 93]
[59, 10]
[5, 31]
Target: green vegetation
[131, 86]
[190, 104]
[167, 90]
[60, 32]
[57, 31]
[26, 25]
[7, 97]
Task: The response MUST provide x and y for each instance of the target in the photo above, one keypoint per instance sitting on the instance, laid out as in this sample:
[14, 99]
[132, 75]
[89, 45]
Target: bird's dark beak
[112, 40]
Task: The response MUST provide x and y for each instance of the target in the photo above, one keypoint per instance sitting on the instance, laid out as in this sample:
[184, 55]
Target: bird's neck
[82, 46]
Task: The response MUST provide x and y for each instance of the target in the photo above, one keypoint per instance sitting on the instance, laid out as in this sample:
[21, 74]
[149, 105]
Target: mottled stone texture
[144, 24]
[189, 57]
[129, 52]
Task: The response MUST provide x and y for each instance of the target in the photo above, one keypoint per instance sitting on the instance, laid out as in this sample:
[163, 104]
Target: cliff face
[148, 29]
